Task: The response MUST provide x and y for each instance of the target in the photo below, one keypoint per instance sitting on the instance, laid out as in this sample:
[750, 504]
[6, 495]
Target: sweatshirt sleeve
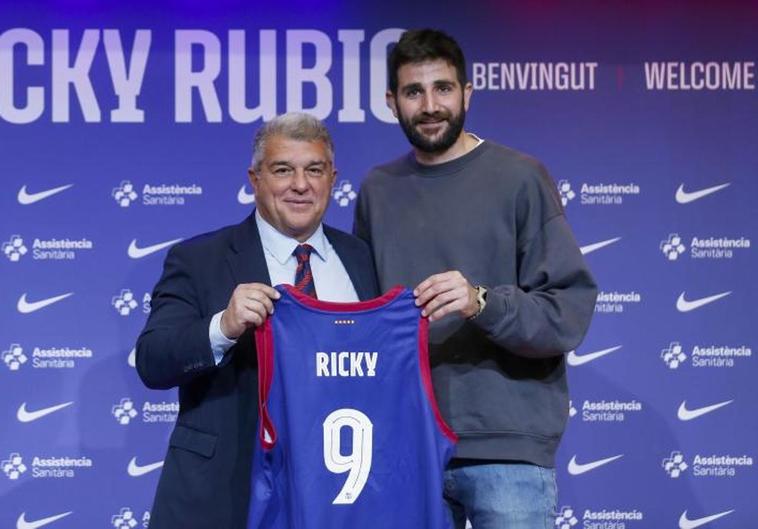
[549, 311]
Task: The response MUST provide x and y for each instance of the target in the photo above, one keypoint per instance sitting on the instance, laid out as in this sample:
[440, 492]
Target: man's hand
[445, 293]
[250, 305]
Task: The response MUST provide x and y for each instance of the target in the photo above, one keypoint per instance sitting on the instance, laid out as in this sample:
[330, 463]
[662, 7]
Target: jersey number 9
[358, 462]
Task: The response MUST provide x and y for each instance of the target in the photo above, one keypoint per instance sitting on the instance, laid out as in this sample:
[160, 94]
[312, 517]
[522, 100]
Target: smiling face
[292, 184]
[431, 105]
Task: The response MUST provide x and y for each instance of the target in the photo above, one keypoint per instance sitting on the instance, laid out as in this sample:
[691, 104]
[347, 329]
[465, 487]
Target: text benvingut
[346, 364]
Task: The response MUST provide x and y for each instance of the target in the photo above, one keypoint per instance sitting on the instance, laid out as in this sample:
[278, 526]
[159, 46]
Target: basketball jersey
[349, 433]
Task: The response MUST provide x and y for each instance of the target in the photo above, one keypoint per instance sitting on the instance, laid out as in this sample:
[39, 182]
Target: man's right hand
[249, 306]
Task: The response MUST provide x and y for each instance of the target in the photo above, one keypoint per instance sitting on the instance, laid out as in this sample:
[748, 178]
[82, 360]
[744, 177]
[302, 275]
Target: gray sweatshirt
[493, 214]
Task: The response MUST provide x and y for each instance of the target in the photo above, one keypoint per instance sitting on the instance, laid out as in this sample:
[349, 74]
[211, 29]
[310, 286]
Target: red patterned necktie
[303, 275]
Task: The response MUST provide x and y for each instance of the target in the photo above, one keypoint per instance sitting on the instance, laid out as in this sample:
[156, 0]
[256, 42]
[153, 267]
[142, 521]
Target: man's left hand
[446, 293]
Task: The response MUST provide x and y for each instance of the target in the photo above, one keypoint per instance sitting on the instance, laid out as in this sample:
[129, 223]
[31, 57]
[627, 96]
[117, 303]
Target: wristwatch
[481, 300]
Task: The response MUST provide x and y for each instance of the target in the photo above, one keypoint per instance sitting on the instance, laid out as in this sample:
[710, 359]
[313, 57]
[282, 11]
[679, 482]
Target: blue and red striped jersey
[349, 432]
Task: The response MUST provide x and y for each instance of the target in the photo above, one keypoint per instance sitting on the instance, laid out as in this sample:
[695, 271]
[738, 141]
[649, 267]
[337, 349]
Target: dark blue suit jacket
[205, 482]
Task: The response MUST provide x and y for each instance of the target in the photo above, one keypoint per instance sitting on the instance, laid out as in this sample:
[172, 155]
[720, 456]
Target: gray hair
[295, 126]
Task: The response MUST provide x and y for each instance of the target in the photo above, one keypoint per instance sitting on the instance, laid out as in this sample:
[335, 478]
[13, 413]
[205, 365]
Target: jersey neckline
[334, 306]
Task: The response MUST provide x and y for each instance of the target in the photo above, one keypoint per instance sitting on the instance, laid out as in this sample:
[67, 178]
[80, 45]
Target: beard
[443, 142]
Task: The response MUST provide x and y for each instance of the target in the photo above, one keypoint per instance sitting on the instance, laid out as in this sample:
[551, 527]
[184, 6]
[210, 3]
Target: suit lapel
[245, 254]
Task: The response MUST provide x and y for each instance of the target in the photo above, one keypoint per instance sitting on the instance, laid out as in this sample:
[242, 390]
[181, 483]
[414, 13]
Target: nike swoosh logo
[24, 415]
[596, 246]
[686, 523]
[683, 305]
[245, 198]
[575, 468]
[26, 307]
[136, 470]
[138, 253]
[574, 359]
[687, 415]
[25, 198]
[683, 197]
[132, 358]
[22, 523]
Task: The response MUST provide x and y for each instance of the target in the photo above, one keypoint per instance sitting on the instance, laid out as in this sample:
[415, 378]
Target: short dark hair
[419, 45]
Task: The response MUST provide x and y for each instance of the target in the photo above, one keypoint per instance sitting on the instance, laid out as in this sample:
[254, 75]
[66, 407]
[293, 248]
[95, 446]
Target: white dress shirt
[329, 274]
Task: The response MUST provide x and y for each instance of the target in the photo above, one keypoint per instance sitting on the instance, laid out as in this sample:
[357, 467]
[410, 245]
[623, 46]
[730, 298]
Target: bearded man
[479, 230]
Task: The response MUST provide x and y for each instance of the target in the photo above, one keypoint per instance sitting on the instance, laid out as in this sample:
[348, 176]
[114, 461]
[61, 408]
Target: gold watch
[481, 300]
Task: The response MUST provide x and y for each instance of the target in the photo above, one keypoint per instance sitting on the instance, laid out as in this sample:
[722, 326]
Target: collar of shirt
[479, 140]
[280, 246]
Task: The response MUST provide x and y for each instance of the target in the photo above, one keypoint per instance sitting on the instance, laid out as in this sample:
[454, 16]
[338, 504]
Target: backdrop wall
[124, 129]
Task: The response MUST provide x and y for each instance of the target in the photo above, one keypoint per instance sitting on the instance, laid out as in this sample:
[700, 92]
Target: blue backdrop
[124, 128]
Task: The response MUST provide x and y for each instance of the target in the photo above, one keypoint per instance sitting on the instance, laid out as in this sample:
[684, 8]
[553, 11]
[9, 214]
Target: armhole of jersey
[426, 379]
[264, 346]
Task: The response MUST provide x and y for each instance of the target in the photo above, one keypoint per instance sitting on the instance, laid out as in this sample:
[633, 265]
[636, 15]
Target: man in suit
[214, 290]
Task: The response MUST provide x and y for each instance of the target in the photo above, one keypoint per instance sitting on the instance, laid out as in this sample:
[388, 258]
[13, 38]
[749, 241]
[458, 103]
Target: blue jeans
[501, 496]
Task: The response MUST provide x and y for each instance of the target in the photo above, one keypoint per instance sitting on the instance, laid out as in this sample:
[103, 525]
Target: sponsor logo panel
[125, 302]
[14, 466]
[606, 410]
[42, 249]
[26, 198]
[705, 356]
[16, 358]
[576, 468]
[126, 518]
[23, 523]
[706, 466]
[45, 466]
[685, 522]
[26, 415]
[615, 302]
[716, 248]
[602, 194]
[685, 197]
[598, 518]
[136, 470]
[14, 248]
[138, 252]
[576, 360]
[343, 193]
[126, 411]
[685, 413]
[688, 305]
[27, 306]
[244, 197]
[126, 194]
[589, 248]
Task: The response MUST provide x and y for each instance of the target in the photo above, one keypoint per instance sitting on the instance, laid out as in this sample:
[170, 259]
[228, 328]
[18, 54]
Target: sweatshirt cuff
[495, 311]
